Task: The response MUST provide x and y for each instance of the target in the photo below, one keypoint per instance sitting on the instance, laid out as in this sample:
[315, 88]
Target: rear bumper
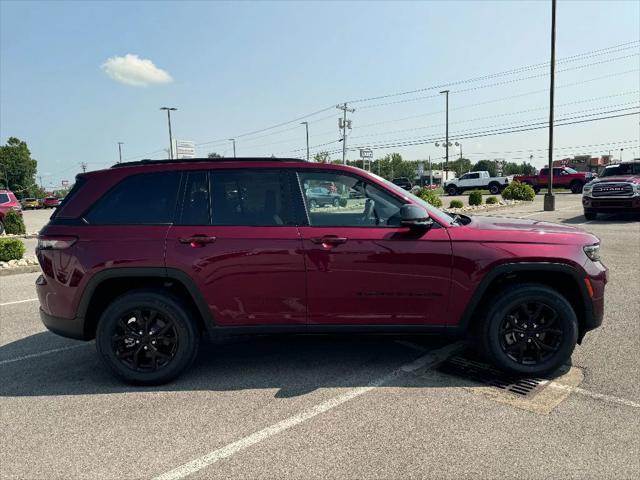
[71, 328]
[611, 205]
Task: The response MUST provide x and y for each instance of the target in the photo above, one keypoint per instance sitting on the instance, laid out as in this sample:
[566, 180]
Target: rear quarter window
[145, 199]
[4, 198]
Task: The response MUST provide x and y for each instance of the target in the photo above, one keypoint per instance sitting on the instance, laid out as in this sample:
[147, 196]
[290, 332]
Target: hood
[502, 229]
[631, 178]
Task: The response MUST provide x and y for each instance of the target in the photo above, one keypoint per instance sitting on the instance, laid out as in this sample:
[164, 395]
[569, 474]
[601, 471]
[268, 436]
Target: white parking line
[41, 354]
[19, 301]
[429, 360]
[595, 395]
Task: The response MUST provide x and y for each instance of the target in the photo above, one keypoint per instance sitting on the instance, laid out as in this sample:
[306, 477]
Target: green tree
[488, 165]
[322, 157]
[17, 168]
[214, 155]
[460, 166]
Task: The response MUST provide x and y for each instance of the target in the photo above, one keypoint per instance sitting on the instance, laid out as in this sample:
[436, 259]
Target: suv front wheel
[530, 330]
[146, 337]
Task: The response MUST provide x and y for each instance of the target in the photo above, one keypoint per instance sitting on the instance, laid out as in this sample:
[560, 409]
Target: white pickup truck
[480, 180]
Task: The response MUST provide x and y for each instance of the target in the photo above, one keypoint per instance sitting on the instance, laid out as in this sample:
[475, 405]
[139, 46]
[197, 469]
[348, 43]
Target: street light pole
[621, 154]
[169, 110]
[549, 199]
[120, 151]
[233, 140]
[446, 144]
[306, 125]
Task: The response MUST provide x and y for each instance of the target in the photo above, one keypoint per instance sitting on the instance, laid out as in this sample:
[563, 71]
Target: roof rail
[148, 161]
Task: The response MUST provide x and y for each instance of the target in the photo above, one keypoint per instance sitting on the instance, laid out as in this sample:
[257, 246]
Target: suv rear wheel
[530, 330]
[146, 337]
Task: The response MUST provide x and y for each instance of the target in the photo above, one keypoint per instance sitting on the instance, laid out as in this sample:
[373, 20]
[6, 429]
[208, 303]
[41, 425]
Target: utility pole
[120, 151]
[621, 153]
[306, 125]
[40, 179]
[169, 110]
[344, 124]
[446, 142]
[83, 166]
[430, 173]
[233, 140]
[549, 199]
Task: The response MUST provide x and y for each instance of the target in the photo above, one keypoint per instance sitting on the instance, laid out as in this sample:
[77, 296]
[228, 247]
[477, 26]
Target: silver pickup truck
[480, 180]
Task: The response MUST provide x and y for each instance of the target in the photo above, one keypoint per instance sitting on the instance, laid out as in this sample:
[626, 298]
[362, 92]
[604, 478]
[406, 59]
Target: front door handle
[329, 241]
[197, 241]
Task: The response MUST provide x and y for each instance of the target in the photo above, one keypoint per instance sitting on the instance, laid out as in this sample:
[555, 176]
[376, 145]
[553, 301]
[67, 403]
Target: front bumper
[71, 328]
[611, 204]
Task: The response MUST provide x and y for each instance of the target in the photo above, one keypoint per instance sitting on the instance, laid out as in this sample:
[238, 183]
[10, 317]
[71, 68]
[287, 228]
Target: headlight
[636, 188]
[587, 188]
[593, 252]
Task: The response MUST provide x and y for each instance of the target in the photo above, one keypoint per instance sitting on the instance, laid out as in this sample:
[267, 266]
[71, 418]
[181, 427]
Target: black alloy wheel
[530, 334]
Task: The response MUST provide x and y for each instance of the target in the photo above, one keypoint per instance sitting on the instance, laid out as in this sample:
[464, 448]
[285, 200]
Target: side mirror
[415, 217]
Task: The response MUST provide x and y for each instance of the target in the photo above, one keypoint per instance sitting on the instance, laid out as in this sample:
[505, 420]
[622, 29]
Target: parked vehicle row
[232, 246]
[35, 203]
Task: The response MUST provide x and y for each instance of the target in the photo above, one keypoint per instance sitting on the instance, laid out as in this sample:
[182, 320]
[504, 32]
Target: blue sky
[240, 67]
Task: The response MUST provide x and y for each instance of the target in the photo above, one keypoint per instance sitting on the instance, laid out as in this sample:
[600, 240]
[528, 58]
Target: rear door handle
[197, 240]
[329, 240]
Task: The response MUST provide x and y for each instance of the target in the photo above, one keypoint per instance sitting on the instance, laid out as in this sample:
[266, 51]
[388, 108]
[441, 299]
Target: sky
[76, 78]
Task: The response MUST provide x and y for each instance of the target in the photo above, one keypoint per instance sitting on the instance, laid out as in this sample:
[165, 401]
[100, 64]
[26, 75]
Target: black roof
[202, 160]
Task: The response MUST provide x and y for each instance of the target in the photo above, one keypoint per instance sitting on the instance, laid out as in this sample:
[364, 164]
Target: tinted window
[372, 206]
[140, 199]
[4, 198]
[196, 208]
[251, 197]
[622, 169]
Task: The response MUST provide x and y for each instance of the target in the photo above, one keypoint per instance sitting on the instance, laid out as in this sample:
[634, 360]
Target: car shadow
[294, 365]
[605, 218]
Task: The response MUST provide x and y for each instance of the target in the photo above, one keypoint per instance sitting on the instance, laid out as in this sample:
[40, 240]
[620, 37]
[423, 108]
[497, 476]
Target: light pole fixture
[306, 125]
[169, 110]
[233, 140]
[120, 151]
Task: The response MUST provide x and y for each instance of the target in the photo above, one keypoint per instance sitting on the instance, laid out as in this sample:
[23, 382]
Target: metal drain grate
[466, 367]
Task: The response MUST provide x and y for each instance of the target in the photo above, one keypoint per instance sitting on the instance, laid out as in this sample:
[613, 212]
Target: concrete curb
[18, 270]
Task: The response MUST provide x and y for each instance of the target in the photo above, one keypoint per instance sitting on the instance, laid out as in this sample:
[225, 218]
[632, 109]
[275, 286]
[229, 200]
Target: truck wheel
[147, 337]
[576, 187]
[494, 188]
[529, 330]
[590, 215]
[452, 190]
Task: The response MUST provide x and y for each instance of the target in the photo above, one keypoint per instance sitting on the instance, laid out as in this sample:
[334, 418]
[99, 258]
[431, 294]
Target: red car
[563, 177]
[231, 246]
[51, 202]
[8, 202]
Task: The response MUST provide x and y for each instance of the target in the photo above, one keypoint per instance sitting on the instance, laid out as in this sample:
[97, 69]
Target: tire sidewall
[530, 293]
[494, 188]
[451, 190]
[167, 305]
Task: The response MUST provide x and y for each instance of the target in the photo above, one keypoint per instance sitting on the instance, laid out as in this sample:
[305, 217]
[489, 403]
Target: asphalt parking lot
[325, 406]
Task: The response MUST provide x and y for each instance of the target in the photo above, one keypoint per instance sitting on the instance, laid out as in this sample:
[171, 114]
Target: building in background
[585, 163]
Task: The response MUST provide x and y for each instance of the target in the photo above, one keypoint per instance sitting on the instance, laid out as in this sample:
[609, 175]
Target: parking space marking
[41, 354]
[18, 301]
[595, 395]
[428, 360]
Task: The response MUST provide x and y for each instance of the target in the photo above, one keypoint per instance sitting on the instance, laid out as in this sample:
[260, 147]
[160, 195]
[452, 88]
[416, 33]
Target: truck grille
[613, 189]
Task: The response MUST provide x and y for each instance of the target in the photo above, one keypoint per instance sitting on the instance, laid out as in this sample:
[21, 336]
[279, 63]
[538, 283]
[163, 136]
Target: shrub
[343, 202]
[430, 196]
[456, 204]
[492, 200]
[475, 197]
[11, 249]
[518, 191]
[13, 223]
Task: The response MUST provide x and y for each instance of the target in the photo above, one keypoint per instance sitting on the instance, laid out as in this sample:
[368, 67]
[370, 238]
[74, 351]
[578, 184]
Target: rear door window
[196, 205]
[145, 199]
[4, 198]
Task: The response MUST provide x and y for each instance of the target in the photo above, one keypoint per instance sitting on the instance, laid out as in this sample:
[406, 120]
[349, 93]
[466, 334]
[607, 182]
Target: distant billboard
[184, 149]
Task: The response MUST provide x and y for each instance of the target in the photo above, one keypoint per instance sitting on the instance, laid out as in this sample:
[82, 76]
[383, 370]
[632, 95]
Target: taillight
[55, 242]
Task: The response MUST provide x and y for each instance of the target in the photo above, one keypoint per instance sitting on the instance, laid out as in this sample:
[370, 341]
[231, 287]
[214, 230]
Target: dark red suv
[148, 257]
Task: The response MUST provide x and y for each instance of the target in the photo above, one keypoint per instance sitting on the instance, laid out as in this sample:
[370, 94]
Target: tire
[494, 188]
[576, 187]
[590, 215]
[518, 355]
[336, 202]
[452, 190]
[173, 351]
[313, 203]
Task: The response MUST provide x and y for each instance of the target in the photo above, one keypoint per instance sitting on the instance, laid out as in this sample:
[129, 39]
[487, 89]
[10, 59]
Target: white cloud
[136, 71]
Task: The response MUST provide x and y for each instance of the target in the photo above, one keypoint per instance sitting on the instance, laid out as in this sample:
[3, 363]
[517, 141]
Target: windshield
[403, 193]
[622, 169]
[570, 170]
